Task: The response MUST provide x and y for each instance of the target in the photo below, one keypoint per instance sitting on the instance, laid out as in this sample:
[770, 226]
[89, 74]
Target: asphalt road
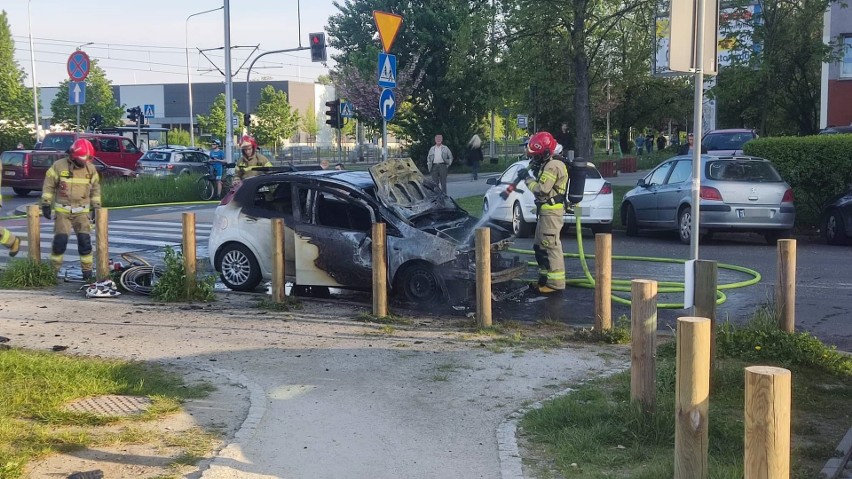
[824, 299]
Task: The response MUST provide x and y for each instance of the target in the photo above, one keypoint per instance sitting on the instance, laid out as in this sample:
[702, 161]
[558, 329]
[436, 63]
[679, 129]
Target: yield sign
[78, 66]
[388, 25]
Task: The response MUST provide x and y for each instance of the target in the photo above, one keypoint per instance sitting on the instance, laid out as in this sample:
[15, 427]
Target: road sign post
[78, 67]
[388, 26]
[387, 107]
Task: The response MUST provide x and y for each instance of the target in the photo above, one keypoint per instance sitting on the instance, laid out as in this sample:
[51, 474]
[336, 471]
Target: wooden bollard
[643, 350]
[102, 243]
[603, 281]
[278, 266]
[189, 251]
[785, 287]
[692, 396]
[380, 271]
[706, 279]
[34, 232]
[483, 277]
[767, 422]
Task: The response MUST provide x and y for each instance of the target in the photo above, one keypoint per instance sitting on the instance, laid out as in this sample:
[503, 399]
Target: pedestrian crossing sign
[387, 70]
[148, 111]
[346, 110]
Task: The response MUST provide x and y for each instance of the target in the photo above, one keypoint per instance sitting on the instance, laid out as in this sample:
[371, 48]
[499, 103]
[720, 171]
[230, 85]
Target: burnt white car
[328, 216]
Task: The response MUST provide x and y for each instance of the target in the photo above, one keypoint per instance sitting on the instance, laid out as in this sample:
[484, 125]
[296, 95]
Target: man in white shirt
[438, 161]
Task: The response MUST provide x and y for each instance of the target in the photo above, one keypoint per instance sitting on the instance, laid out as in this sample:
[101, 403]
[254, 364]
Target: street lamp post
[188, 77]
[32, 68]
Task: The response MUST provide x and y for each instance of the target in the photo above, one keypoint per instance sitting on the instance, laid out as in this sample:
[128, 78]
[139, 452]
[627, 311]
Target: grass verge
[36, 385]
[471, 204]
[595, 431]
[148, 190]
[172, 287]
[27, 273]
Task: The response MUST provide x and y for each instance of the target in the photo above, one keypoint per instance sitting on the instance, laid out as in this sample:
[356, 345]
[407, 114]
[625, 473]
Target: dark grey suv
[172, 161]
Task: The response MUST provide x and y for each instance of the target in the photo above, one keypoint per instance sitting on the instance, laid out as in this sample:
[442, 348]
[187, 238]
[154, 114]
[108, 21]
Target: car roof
[706, 158]
[732, 130]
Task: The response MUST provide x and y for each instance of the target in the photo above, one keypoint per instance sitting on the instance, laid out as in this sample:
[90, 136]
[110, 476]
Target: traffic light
[333, 113]
[133, 114]
[317, 41]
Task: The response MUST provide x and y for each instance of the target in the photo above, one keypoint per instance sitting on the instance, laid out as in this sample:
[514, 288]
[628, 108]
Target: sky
[143, 42]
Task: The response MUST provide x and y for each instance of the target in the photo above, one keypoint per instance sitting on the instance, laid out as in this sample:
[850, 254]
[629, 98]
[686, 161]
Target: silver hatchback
[738, 193]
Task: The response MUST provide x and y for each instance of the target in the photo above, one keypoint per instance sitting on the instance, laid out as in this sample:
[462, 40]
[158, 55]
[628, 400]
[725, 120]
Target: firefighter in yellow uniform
[72, 189]
[549, 188]
[250, 159]
[8, 239]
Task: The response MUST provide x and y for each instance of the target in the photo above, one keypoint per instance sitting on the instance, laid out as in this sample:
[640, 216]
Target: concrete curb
[257, 409]
[511, 462]
[838, 467]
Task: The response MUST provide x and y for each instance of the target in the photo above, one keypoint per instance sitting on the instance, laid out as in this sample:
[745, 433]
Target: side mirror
[641, 182]
[492, 181]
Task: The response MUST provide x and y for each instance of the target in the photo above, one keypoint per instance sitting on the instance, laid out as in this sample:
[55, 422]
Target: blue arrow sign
[387, 104]
[387, 70]
[77, 93]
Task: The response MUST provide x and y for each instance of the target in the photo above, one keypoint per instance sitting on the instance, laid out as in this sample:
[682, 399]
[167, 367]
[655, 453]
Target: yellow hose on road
[623, 285]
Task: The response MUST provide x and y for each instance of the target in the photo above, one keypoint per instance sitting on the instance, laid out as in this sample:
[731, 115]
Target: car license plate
[755, 213]
[9, 173]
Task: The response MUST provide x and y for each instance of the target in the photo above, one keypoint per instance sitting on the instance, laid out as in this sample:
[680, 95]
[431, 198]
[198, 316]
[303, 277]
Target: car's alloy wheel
[21, 191]
[684, 223]
[833, 229]
[419, 284]
[238, 268]
[520, 228]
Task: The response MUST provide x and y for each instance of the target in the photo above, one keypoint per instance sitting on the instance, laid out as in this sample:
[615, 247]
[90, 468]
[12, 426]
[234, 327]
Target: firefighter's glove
[45, 211]
[93, 213]
[523, 174]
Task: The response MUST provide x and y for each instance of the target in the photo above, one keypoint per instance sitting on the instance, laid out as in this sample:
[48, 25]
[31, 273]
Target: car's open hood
[401, 187]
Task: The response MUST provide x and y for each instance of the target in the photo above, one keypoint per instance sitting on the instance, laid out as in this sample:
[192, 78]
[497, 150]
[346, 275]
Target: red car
[113, 150]
[24, 170]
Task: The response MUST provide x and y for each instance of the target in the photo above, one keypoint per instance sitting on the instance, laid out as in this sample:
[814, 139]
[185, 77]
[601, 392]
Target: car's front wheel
[418, 283]
[630, 221]
[684, 224]
[833, 229]
[21, 191]
[238, 268]
[520, 228]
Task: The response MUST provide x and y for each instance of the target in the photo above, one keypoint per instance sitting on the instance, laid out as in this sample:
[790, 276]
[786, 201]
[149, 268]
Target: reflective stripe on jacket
[551, 185]
[69, 186]
[246, 166]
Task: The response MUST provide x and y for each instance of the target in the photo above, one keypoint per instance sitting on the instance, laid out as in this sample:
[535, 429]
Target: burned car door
[271, 200]
[332, 237]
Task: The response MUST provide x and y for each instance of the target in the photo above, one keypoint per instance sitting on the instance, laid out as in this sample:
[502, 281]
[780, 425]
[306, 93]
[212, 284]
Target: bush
[27, 273]
[171, 285]
[817, 167]
[148, 190]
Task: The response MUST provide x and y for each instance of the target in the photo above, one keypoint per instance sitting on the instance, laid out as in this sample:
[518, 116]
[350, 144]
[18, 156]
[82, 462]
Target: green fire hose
[623, 285]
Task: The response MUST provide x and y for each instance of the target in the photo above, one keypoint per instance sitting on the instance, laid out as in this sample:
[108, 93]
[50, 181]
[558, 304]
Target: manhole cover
[110, 405]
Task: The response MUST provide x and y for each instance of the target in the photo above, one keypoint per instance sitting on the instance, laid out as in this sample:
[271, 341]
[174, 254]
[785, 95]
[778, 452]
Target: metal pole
[78, 117]
[229, 94]
[384, 140]
[188, 77]
[608, 145]
[697, 129]
[32, 67]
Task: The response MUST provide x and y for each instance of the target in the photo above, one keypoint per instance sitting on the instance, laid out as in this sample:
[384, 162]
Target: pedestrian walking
[474, 156]
[649, 142]
[72, 190]
[661, 143]
[640, 143]
[217, 163]
[438, 162]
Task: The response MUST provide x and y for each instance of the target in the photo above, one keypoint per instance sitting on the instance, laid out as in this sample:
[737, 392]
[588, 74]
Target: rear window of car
[12, 158]
[746, 171]
[43, 160]
[156, 156]
[57, 142]
[592, 173]
[726, 141]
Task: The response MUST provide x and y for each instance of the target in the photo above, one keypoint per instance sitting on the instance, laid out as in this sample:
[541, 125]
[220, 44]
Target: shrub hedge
[817, 167]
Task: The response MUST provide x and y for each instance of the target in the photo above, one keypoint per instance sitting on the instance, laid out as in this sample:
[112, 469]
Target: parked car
[837, 218]
[519, 210]
[328, 216]
[173, 161]
[24, 170]
[113, 150]
[738, 193]
[299, 153]
[835, 130]
[727, 142]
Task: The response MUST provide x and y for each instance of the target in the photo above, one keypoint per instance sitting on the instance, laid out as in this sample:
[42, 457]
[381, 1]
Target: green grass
[36, 385]
[171, 286]
[25, 273]
[595, 432]
[148, 190]
[471, 204]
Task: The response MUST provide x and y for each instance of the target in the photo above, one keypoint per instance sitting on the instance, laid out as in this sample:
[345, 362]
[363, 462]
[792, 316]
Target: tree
[178, 136]
[309, 123]
[99, 100]
[214, 122]
[276, 120]
[16, 99]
